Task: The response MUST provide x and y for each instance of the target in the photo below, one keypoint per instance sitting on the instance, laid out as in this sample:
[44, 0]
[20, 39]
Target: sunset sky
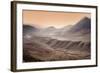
[44, 19]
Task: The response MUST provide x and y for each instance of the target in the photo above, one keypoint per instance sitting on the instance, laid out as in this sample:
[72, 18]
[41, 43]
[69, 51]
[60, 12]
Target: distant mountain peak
[83, 24]
[86, 17]
[51, 27]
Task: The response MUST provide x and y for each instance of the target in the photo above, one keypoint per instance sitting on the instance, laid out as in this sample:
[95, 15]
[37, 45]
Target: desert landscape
[71, 42]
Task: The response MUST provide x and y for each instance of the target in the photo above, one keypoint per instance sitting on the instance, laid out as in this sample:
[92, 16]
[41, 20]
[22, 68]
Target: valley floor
[55, 50]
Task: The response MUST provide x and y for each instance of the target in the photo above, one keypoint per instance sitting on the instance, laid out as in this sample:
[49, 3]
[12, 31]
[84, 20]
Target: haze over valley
[71, 42]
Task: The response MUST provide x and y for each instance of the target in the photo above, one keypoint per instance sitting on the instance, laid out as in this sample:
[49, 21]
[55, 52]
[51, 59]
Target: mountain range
[80, 31]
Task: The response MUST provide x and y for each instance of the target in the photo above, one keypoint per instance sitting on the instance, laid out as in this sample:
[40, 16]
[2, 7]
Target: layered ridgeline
[49, 44]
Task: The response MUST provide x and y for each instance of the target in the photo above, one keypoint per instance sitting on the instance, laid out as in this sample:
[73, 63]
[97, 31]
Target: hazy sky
[43, 19]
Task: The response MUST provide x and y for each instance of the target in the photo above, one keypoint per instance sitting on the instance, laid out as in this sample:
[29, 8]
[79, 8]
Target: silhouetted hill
[28, 29]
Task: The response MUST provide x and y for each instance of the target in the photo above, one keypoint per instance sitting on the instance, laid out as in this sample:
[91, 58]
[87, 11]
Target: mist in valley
[71, 42]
